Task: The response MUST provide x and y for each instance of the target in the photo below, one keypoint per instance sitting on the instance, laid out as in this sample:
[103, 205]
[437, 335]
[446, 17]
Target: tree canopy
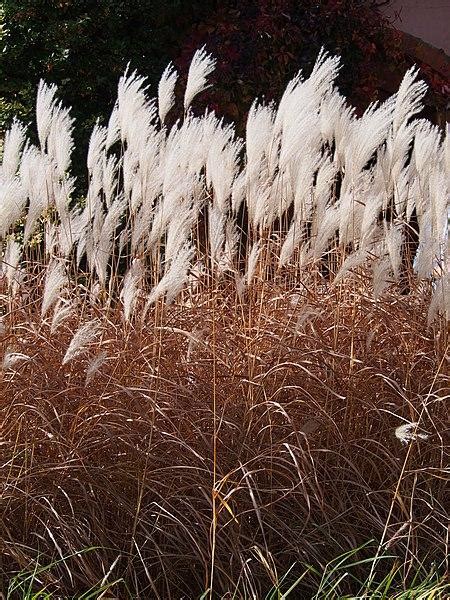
[85, 45]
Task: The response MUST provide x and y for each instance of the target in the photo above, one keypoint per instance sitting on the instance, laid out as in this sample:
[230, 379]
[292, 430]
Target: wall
[428, 20]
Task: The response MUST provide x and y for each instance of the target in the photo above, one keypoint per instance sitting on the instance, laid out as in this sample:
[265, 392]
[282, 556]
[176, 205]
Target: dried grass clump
[229, 363]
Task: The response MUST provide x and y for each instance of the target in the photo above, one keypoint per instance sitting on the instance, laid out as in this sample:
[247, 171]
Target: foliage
[263, 42]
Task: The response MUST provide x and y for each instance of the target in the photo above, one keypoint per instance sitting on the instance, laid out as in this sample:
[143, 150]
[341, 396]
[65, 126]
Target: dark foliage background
[85, 45]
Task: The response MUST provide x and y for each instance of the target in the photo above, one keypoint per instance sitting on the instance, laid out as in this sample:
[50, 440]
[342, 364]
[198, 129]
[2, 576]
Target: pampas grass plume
[55, 282]
[166, 91]
[84, 337]
[202, 65]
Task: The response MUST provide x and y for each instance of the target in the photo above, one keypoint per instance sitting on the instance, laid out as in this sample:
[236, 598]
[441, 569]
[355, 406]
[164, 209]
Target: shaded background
[84, 46]
[425, 19]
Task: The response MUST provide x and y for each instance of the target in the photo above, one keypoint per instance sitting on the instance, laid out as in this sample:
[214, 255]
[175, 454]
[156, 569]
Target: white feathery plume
[95, 365]
[113, 128]
[298, 106]
[292, 241]
[174, 278]
[55, 282]
[142, 226]
[343, 123]
[93, 198]
[180, 225]
[85, 246]
[301, 131]
[10, 261]
[231, 247]
[238, 191]
[284, 107]
[301, 100]
[347, 205]
[12, 148]
[297, 118]
[166, 91]
[159, 218]
[71, 230]
[440, 301]
[408, 99]
[11, 359]
[135, 112]
[60, 140]
[178, 192]
[352, 207]
[401, 178]
[131, 99]
[97, 148]
[372, 209]
[322, 190]
[50, 238]
[335, 116]
[33, 175]
[12, 202]
[439, 203]
[356, 259]
[81, 231]
[184, 154]
[303, 186]
[63, 193]
[381, 275]
[325, 71]
[132, 283]
[196, 137]
[393, 237]
[124, 238]
[150, 163]
[327, 229]
[409, 432]
[270, 202]
[131, 187]
[64, 308]
[143, 129]
[214, 131]
[45, 105]
[252, 261]
[216, 233]
[413, 194]
[367, 134]
[423, 262]
[221, 170]
[83, 338]
[109, 183]
[202, 65]
[391, 159]
[261, 211]
[103, 239]
[259, 127]
[178, 273]
[90, 225]
[427, 150]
